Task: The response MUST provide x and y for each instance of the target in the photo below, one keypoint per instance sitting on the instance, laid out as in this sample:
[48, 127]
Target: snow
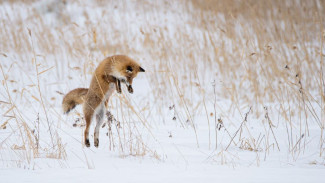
[161, 136]
[139, 172]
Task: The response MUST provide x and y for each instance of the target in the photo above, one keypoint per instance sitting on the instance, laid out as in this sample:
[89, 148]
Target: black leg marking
[130, 89]
[118, 86]
[87, 143]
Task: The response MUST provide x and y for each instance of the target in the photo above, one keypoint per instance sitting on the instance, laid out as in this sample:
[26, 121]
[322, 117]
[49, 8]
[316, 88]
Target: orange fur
[73, 98]
[107, 77]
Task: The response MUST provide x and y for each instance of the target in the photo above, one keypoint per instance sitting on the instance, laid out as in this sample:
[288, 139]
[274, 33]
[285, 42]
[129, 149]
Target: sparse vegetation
[247, 73]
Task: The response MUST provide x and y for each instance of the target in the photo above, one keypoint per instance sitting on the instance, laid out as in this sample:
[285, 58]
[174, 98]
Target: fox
[107, 78]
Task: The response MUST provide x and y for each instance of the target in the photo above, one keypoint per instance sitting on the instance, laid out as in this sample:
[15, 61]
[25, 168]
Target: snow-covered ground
[205, 110]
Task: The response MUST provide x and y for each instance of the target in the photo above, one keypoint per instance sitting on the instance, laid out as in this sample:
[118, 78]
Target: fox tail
[73, 98]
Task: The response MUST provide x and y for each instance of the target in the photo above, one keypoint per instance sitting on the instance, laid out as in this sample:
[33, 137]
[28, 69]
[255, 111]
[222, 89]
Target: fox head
[125, 69]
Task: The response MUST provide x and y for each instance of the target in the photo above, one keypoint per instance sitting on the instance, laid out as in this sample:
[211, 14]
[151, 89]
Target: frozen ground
[175, 127]
[180, 161]
[119, 171]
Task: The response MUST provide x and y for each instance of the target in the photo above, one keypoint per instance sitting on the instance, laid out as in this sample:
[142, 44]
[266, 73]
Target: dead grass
[261, 54]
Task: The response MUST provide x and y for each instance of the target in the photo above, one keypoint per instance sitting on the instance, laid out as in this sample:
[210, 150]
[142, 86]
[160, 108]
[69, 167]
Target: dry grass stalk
[252, 49]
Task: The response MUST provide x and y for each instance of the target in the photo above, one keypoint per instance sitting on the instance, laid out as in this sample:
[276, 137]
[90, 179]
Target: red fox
[107, 77]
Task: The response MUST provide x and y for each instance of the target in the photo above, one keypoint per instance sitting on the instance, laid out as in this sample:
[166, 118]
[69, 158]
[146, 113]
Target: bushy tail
[73, 98]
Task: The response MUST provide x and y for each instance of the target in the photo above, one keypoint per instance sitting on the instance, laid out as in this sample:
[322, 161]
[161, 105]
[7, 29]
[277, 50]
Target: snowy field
[233, 91]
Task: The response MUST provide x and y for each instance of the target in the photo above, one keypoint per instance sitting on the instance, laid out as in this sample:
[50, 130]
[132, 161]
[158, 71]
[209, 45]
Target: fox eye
[129, 69]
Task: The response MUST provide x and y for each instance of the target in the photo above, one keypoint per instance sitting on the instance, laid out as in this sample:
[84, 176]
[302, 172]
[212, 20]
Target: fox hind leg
[86, 135]
[99, 121]
[88, 112]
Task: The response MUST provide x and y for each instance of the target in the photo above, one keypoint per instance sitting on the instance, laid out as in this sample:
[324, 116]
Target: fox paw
[119, 90]
[130, 89]
[87, 143]
[96, 143]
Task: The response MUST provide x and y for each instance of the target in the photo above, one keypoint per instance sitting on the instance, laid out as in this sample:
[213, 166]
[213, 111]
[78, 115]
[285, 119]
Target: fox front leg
[128, 85]
[117, 82]
[118, 86]
[130, 89]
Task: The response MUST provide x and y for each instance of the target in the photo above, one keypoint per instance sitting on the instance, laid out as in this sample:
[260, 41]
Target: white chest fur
[118, 75]
[111, 89]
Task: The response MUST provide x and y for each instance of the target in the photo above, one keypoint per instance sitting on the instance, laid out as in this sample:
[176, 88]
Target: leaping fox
[107, 77]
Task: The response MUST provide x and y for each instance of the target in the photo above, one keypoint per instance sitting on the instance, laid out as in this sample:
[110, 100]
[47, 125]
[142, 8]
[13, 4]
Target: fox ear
[141, 70]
